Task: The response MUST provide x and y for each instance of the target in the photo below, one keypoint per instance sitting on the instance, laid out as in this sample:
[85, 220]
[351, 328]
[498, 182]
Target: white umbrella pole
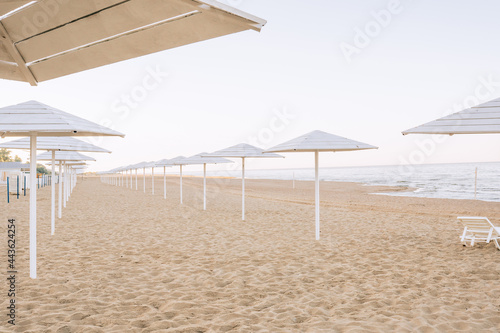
[243, 188]
[181, 182]
[53, 195]
[316, 187]
[153, 180]
[126, 178]
[65, 185]
[164, 182]
[144, 178]
[136, 187]
[33, 206]
[204, 186]
[59, 206]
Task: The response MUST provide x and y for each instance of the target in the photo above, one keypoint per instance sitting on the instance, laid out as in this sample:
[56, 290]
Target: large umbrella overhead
[33, 119]
[55, 144]
[50, 39]
[481, 119]
[199, 159]
[242, 151]
[318, 141]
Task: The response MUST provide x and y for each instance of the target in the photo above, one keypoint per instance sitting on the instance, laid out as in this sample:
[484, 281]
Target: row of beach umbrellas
[50, 129]
[316, 142]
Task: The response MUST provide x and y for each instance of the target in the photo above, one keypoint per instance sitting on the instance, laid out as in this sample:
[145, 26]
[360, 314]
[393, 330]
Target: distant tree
[17, 159]
[40, 169]
[5, 155]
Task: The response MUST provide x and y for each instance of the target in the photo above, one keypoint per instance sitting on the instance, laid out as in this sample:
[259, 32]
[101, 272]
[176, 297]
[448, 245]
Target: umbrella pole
[59, 206]
[204, 186]
[136, 180]
[33, 206]
[243, 188]
[316, 188]
[144, 178]
[65, 184]
[53, 195]
[153, 180]
[164, 182]
[181, 181]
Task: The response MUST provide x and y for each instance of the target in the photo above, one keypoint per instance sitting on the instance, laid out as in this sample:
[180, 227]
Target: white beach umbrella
[54, 144]
[68, 158]
[199, 159]
[318, 141]
[242, 151]
[164, 163]
[176, 161]
[78, 35]
[33, 119]
[151, 165]
[143, 166]
[481, 119]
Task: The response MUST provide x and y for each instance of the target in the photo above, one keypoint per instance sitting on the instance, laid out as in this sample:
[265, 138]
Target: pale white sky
[366, 70]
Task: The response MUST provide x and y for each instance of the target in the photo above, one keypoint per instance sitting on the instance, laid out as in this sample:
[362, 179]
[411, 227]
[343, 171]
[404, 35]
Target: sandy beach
[125, 261]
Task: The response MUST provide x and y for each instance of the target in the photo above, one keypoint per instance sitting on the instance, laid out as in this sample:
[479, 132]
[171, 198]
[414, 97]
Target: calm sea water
[452, 181]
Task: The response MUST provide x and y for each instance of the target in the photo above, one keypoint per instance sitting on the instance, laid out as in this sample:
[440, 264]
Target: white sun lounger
[479, 230]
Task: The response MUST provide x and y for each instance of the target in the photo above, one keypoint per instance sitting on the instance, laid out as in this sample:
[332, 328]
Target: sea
[450, 181]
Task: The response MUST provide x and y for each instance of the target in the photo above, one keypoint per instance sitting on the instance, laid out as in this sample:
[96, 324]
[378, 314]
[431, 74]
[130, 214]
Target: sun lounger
[479, 230]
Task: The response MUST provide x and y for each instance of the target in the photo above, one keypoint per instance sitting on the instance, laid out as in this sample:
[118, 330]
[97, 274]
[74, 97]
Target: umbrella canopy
[200, 159]
[55, 143]
[35, 119]
[46, 40]
[242, 151]
[7, 6]
[65, 156]
[317, 141]
[481, 119]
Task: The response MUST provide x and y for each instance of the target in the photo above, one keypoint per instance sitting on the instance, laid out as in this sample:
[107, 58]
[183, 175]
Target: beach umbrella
[67, 157]
[151, 165]
[54, 144]
[143, 166]
[316, 142]
[33, 119]
[174, 161]
[134, 167]
[164, 163]
[481, 119]
[199, 159]
[42, 40]
[242, 151]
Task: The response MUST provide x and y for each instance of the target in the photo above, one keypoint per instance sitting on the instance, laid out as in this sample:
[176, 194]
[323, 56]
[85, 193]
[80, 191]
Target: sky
[365, 70]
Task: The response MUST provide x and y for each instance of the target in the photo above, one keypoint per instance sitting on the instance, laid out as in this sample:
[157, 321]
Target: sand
[125, 261]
